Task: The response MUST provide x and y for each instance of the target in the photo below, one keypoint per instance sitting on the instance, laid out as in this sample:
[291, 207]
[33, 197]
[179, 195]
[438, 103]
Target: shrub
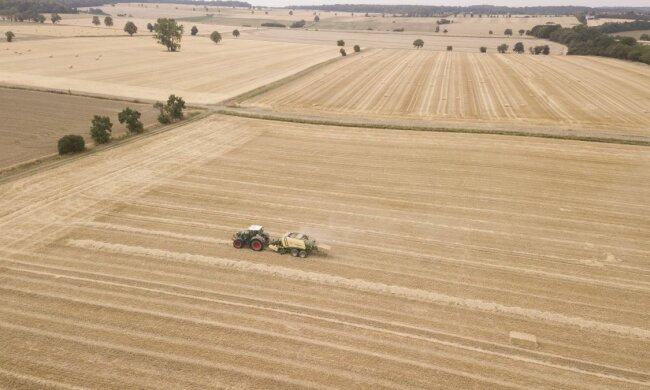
[343, 53]
[215, 37]
[418, 43]
[483, 49]
[71, 144]
[502, 48]
[194, 30]
[273, 24]
[450, 48]
[519, 48]
[55, 18]
[340, 42]
[521, 32]
[150, 27]
[443, 21]
[96, 21]
[316, 18]
[132, 119]
[399, 29]
[10, 36]
[108, 21]
[491, 32]
[100, 129]
[508, 31]
[235, 33]
[298, 24]
[357, 48]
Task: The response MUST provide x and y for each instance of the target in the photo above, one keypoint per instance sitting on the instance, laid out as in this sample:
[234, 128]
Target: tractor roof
[255, 227]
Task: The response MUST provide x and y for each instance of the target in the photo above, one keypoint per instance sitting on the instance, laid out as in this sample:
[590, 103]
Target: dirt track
[116, 270]
[515, 92]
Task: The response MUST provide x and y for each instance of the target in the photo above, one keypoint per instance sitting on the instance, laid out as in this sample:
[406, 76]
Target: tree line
[583, 40]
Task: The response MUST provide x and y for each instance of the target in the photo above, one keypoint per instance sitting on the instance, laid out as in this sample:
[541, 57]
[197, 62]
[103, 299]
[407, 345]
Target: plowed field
[116, 270]
[600, 96]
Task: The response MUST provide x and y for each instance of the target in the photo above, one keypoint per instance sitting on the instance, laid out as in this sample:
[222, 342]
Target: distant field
[635, 34]
[394, 40]
[495, 91]
[137, 67]
[32, 122]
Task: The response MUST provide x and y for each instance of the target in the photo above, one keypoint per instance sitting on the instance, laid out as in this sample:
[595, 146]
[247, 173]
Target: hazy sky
[513, 3]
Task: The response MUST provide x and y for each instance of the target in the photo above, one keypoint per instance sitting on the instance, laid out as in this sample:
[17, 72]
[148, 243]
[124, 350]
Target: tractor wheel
[257, 245]
[302, 254]
[294, 252]
[238, 243]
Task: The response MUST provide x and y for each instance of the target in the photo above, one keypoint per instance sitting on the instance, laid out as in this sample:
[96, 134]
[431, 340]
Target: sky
[512, 3]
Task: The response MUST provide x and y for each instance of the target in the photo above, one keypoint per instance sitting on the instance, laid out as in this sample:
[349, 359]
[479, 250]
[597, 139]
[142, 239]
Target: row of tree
[583, 40]
[101, 127]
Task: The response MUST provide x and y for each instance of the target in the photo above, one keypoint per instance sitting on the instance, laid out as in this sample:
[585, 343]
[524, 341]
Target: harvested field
[595, 96]
[137, 67]
[394, 40]
[458, 261]
[32, 121]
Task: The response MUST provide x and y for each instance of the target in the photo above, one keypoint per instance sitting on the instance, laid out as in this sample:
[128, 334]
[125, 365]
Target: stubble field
[33, 121]
[137, 67]
[600, 97]
[116, 270]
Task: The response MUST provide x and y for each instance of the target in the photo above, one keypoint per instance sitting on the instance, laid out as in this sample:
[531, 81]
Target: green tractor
[255, 237]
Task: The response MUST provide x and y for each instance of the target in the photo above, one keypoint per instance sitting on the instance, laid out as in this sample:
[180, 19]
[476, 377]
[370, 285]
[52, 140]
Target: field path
[116, 269]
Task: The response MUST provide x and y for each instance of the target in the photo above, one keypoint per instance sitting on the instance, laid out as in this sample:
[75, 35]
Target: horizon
[460, 3]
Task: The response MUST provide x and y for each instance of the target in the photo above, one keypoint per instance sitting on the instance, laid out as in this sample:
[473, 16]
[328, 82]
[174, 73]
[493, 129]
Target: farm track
[116, 269]
[554, 94]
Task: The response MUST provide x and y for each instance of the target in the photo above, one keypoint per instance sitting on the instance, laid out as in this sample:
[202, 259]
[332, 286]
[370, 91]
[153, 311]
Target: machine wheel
[294, 252]
[302, 254]
[238, 243]
[257, 245]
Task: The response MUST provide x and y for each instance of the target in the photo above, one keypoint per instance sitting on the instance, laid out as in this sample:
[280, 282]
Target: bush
[194, 30]
[108, 21]
[100, 129]
[96, 21]
[298, 24]
[399, 29]
[483, 49]
[443, 21]
[418, 43]
[132, 119]
[502, 48]
[273, 24]
[450, 48]
[340, 42]
[71, 144]
[645, 37]
[508, 31]
[215, 37]
[519, 48]
[343, 53]
[10, 36]
[150, 27]
[357, 48]
[235, 33]
[316, 18]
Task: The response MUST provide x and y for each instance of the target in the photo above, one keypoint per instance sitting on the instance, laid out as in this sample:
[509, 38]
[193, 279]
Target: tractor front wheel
[238, 243]
[257, 245]
[294, 252]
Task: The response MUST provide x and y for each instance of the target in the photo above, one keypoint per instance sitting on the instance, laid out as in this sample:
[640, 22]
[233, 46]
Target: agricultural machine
[298, 244]
[254, 237]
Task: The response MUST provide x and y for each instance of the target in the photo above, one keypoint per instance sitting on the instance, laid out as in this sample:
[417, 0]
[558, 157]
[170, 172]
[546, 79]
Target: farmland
[601, 97]
[132, 66]
[33, 121]
[116, 270]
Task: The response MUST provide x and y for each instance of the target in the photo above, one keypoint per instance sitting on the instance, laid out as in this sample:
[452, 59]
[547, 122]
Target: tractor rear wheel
[302, 254]
[294, 252]
[257, 245]
[238, 243]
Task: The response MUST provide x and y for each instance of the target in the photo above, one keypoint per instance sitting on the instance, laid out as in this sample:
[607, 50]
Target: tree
[215, 37]
[483, 49]
[39, 18]
[235, 33]
[437, 29]
[519, 48]
[445, 31]
[71, 144]
[491, 32]
[168, 33]
[170, 111]
[502, 48]
[450, 48]
[291, 13]
[108, 21]
[132, 119]
[10, 36]
[194, 30]
[521, 32]
[55, 18]
[508, 32]
[644, 37]
[96, 21]
[100, 129]
[418, 43]
[343, 53]
[316, 18]
[340, 42]
[546, 50]
[150, 27]
[357, 48]
[130, 28]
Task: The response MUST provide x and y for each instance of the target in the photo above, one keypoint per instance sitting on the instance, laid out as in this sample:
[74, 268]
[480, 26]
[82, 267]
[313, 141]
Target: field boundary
[27, 168]
[370, 125]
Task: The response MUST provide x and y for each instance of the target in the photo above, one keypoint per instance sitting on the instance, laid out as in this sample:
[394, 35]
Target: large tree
[108, 21]
[418, 43]
[235, 33]
[132, 119]
[96, 21]
[519, 48]
[215, 37]
[55, 18]
[194, 30]
[10, 36]
[100, 129]
[508, 32]
[168, 33]
[130, 28]
[502, 48]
